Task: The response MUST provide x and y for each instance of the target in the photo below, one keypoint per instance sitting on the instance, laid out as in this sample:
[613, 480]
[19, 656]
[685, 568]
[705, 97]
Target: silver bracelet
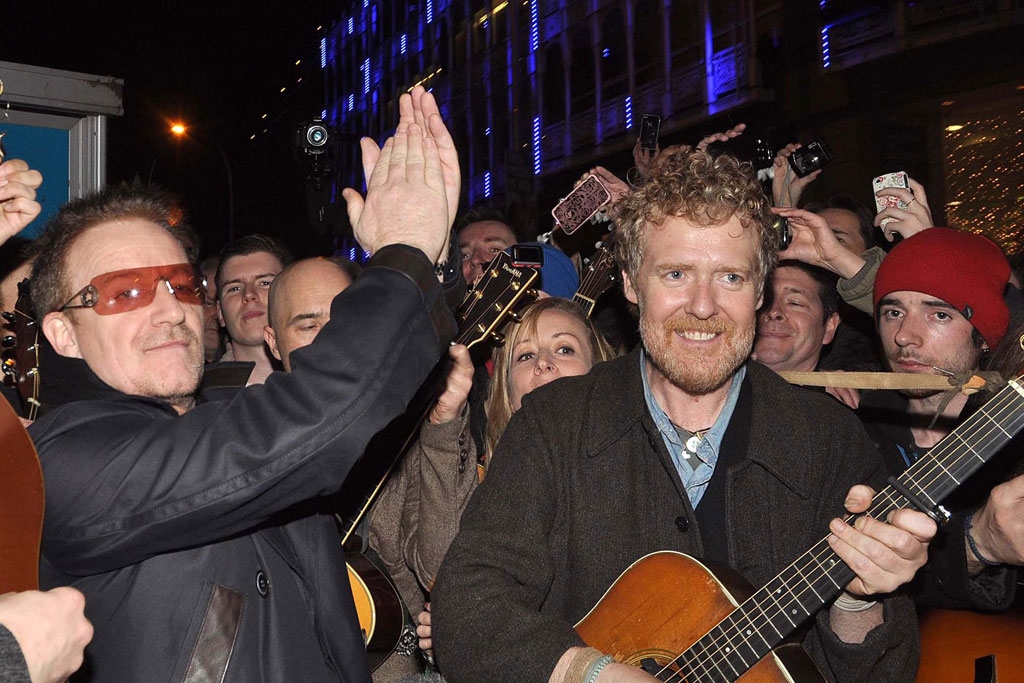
[596, 668]
[846, 603]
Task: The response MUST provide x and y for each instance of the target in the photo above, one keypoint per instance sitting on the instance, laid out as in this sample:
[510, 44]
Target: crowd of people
[206, 429]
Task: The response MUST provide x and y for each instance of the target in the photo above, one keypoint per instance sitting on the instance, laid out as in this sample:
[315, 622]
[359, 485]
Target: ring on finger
[912, 200]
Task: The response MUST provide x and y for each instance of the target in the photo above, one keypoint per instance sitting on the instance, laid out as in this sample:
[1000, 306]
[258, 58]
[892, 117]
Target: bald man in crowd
[299, 303]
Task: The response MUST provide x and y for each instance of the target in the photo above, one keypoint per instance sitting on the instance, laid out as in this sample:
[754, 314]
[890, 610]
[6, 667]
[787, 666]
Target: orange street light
[180, 130]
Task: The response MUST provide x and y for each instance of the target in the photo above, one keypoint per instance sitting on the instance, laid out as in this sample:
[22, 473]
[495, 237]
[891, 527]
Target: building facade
[538, 91]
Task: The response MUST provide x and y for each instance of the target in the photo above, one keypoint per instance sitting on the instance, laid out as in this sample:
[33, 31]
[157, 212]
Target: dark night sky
[218, 64]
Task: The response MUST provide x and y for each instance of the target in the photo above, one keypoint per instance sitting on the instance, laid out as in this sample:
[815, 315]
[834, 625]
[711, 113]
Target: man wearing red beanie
[939, 309]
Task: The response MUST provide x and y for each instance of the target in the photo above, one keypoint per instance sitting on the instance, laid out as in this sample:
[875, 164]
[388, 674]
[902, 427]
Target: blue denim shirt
[695, 473]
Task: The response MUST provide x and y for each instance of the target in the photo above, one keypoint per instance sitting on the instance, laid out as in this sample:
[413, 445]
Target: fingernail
[837, 525]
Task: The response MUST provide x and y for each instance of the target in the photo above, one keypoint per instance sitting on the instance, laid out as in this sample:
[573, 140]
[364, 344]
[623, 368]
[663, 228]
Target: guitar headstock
[501, 289]
[21, 354]
[599, 274]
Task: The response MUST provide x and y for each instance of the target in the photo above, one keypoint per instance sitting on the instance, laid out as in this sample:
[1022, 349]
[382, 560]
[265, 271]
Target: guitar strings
[592, 277]
[706, 657]
[470, 330]
[886, 494]
[891, 499]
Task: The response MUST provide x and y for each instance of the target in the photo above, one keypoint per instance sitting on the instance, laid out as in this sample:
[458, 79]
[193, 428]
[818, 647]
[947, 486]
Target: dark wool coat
[581, 486]
[13, 668]
[155, 516]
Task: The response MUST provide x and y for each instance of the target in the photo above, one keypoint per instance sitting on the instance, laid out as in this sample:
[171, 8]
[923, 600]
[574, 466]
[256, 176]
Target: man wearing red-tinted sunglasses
[196, 532]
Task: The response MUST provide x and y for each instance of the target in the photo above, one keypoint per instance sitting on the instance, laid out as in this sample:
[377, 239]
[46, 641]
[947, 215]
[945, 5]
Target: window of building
[614, 60]
[581, 76]
[648, 47]
[554, 85]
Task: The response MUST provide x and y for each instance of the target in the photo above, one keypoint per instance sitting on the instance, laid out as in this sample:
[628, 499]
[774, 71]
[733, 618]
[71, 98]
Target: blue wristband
[968, 520]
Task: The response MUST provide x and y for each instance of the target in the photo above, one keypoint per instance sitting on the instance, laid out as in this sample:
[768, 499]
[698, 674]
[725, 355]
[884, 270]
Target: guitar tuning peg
[9, 341]
[8, 316]
[498, 338]
[515, 316]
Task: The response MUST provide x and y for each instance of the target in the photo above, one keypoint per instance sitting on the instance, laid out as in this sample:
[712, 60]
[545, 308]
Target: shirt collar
[714, 435]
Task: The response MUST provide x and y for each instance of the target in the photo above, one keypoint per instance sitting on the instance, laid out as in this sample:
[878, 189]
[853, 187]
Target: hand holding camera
[814, 242]
[787, 184]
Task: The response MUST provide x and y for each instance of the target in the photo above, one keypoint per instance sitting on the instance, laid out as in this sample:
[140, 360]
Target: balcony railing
[583, 130]
[858, 37]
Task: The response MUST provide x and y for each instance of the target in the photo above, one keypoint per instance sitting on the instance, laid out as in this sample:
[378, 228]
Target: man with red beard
[944, 320]
[680, 446]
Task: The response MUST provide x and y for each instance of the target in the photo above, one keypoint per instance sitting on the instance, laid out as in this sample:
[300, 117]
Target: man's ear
[61, 334]
[271, 339]
[830, 329]
[628, 290]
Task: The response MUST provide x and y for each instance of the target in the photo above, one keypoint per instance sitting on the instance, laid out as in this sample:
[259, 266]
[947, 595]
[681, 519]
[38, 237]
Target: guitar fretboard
[598, 276]
[750, 632]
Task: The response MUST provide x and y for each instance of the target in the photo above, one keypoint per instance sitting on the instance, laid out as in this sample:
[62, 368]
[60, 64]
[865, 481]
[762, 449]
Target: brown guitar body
[667, 601]
[21, 505]
[952, 639]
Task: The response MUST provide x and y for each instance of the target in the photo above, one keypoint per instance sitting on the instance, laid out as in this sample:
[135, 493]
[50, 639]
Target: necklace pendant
[693, 443]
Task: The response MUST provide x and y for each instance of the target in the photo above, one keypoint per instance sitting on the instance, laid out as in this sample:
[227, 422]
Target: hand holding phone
[897, 179]
[902, 210]
[581, 204]
[650, 126]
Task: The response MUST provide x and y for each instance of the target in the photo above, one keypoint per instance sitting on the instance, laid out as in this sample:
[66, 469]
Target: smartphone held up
[580, 205]
[896, 179]
[650, 127]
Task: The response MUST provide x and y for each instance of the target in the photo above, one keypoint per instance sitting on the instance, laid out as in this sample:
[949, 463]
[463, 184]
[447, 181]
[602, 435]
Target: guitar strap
[713, 508]
[216, 642]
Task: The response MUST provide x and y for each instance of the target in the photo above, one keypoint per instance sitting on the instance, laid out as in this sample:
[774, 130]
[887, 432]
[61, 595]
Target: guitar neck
[586, 303]
[483, 310]
[597, 278]
[819, 575]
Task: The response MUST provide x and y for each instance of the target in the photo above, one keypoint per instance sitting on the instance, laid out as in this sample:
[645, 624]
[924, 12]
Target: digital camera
[809, 158]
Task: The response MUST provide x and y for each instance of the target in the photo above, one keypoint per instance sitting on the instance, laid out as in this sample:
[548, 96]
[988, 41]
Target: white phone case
[896, 179]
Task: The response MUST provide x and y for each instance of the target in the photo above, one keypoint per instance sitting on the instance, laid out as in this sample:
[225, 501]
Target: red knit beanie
[965, 270]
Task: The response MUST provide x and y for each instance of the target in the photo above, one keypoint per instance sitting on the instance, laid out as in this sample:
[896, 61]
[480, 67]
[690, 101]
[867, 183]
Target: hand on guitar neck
[883, 555]
[452, 401]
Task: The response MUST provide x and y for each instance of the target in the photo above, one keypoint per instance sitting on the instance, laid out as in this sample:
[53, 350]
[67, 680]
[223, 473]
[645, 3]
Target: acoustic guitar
[378, 605]
[673, 616]
[21, 351]
[21, 505]
[597, 277]
[959, 645]
[22, 497]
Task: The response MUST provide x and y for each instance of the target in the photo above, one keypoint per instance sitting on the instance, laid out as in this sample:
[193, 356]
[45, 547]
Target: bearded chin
[699, 372]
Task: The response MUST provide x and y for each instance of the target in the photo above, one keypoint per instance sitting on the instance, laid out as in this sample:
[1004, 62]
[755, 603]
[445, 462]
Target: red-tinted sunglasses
[120, 291]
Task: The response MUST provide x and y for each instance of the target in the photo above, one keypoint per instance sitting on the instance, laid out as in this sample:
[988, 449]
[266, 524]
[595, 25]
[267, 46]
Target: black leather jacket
[167, 521]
